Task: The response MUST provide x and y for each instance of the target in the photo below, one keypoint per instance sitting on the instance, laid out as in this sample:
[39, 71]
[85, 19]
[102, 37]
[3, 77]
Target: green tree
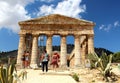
[116, 57]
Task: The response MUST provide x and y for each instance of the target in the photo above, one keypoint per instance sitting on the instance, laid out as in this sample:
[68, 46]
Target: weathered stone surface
[56, 24]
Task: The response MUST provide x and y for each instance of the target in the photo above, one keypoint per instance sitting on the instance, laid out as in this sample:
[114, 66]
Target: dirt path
[36, 76]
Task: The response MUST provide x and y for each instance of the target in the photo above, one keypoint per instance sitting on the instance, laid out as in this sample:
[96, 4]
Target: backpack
[45, 57]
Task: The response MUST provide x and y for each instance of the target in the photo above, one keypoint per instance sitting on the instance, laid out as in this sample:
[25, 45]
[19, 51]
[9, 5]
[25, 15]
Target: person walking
[55, 60]
[25, 59]
[44, 60]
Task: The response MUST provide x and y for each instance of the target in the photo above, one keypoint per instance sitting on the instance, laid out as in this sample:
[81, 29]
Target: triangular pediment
[56, 19]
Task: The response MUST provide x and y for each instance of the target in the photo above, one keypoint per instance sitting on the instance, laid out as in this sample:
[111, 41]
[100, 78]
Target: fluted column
[49, 44]
[90, 44]
[83, 53]
[20, 49]
[34, 56]
[77, 51]
[63, 53]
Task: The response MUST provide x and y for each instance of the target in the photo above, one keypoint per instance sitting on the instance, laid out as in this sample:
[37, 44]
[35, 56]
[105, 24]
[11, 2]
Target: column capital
[63, 35]
[22, 35]
[90, 35]
[35, 35]
[76, 35]
[49, 35]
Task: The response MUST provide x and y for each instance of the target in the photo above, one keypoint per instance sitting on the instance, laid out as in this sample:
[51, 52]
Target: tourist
[27, 56]
[87, 63]
[44, 60]
[23, 60]
[55, 60]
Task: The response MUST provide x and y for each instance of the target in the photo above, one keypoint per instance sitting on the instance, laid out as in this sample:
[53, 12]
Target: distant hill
[70, 47]
[9, 54]
[100, 50]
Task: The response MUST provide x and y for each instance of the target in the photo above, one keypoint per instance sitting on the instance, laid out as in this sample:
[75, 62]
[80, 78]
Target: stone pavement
[36, 76]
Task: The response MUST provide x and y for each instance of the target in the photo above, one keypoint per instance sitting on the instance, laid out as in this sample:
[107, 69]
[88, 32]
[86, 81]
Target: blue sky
[104, 13]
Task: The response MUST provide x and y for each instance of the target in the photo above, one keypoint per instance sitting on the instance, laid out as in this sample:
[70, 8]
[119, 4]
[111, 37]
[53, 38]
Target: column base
[33, 66]
[19, 66]
[63, 67]
[78, 66]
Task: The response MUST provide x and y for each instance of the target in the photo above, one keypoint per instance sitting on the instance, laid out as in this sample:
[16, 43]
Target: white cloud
[45, 0]
[66, 7]
[105, 27]
[116, 24]
[21, 2]
[45, 10]
[11, 12]
[101, 27]
[108, 27]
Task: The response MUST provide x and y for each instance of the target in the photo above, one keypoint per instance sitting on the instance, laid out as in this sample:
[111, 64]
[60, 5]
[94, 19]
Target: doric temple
[61, 25]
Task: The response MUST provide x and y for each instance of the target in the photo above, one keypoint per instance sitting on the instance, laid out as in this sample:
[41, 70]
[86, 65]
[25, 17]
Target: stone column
[49, 47]
[20, 50]
[63, 53]
[83, 53]
[34, 56]
[77, 51]
[49, 44]
[90, 44]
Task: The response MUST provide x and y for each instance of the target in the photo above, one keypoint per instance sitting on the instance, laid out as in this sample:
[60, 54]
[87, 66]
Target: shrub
[75, 77]
[92, 59]
[7, 74]
[116, 57]
[103, 64]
